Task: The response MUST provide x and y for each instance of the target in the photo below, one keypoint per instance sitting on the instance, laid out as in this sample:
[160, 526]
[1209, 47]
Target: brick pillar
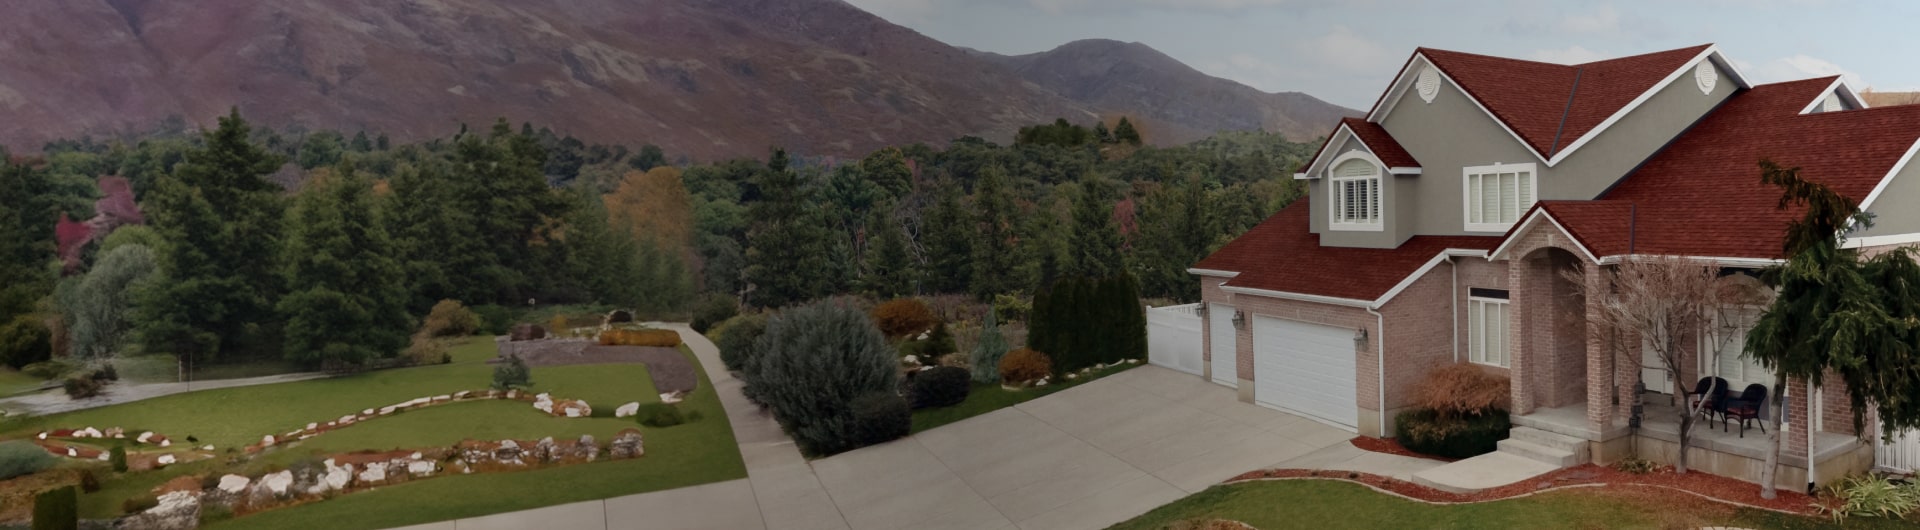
[1600, 372]
[1520, 325]
[1798, 419]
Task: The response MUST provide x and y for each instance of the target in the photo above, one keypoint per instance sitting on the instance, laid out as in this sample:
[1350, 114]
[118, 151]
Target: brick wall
[1316, 313]
[1418, 336]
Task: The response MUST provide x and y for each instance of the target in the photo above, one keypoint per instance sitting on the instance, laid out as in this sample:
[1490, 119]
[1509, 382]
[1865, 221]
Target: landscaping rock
[375, 472]
[277, 483]
[104, 457]
[463, 394]
[626, 410]
[266, 441]
[178, 510]
[208, 447]
[672, 397]
[165, 442]
[234, 483]
[344, 420]
[114, 432]
[88, 432]
[627, 444]
[368, 412]
[144, 437]
[421, 468]
[164, 460]
[339, 477]
[312, 426]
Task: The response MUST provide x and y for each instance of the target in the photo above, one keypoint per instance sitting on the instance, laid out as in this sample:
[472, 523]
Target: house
[1440, 228]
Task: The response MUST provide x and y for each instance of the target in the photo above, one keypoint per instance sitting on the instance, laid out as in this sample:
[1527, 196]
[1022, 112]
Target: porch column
[1601, 373]
[1520, 326]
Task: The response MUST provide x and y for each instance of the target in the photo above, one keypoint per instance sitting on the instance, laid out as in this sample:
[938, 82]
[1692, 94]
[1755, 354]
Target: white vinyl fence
[1900, 453]
[1173, 338]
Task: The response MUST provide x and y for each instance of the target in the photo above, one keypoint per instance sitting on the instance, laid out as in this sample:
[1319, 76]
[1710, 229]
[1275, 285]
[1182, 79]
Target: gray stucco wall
[1452, 133]
[1399, 221]
[1894, 211]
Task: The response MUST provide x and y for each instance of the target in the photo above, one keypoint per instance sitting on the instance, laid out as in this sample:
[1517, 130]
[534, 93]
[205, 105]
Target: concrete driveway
[1086, 457]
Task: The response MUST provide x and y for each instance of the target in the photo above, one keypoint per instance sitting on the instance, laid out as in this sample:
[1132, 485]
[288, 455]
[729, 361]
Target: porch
[1717, 449]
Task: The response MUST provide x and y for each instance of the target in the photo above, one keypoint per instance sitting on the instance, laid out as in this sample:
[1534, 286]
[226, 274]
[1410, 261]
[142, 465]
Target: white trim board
[1538, 213]
[1884, 181]
[1314, 167]
[1424, 269]
[1717, 260]
[1880, 241]
[1212, 272]
[1349, 302]
[1839, 86]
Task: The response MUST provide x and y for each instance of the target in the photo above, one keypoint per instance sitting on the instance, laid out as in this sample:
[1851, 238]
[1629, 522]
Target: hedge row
[1080, 322]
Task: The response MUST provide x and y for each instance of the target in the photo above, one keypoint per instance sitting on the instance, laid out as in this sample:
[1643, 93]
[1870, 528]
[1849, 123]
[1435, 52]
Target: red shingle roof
[1551, 105]
[1281, 254]
[1702, 195]
[1384, 147]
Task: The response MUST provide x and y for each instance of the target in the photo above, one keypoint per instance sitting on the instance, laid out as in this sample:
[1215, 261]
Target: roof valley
[1564, 111]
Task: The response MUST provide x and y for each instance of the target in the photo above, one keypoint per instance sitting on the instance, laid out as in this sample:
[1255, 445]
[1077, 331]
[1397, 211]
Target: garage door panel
[1306, 368]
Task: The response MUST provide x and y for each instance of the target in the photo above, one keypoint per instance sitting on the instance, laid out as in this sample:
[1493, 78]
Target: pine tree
[944, 240]
[346, 304]
[434, 234]
[1125, 133]
[1096, 238]
[26, 238]
[890, 271]
[221, 218]
[1101, 133]
[988, 351]
[788, 250]
[1173, 236]
[994, 257]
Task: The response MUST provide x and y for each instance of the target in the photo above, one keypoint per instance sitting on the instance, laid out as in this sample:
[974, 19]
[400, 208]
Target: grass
[13, 382]
[1331, 505]
[163, 368]
[695, 453]
[988, 398]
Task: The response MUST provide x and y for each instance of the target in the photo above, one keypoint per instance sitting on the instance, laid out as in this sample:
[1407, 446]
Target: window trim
[1532, 170]
[1703, 364]
[1336, 192]
[1476, 353]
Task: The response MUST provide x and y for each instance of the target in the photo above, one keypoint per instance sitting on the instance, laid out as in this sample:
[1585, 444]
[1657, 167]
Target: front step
[1490, 470]
[1546, 447]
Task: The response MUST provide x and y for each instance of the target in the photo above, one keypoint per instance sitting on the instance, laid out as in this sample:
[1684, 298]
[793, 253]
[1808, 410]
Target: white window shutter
[1497, 334]
[1476, 331]
[1526, 191]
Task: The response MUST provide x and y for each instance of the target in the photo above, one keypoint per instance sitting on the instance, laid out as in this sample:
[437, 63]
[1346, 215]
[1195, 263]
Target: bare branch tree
[1677, 307]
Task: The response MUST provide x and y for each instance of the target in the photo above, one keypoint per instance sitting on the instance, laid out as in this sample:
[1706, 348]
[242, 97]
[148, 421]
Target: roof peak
[1423, 50]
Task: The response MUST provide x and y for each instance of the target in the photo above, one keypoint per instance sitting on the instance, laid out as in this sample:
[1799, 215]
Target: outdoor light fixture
[1360, 335]
[1201, 311]
[1239, 319]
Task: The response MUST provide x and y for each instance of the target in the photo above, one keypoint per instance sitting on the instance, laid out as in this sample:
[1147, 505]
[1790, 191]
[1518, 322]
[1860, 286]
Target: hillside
[702, 78]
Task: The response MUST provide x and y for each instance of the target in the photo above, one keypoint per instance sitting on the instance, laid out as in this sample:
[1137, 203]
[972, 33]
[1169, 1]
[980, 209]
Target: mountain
[705, 78]
[1130, 78]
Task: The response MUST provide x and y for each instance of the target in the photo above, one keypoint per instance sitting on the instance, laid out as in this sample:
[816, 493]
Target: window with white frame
[1487, 322]
[1355, 186]
[1733, 364]
[1497, 195]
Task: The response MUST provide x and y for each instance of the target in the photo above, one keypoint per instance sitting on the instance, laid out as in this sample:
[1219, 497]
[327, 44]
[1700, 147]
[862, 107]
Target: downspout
[1380, 344]
[1812, 394]
[1455, 267]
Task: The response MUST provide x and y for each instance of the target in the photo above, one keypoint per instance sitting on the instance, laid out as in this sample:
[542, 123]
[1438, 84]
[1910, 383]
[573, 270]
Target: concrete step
[1490, 470]
[1547, 438]
[1558, 458]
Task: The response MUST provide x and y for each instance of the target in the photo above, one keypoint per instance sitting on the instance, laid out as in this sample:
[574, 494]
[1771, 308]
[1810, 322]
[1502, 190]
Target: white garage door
[1222, 348]
[1306, 369]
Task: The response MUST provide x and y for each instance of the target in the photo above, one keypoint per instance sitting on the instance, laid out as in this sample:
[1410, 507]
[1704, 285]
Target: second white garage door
[1306, 369]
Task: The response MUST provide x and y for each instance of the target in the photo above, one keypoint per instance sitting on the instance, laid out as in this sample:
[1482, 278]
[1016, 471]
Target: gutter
[1455, 299]
[1380, 344]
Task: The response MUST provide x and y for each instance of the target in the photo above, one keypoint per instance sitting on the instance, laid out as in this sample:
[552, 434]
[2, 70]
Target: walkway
[1086, 457]
[55, 402]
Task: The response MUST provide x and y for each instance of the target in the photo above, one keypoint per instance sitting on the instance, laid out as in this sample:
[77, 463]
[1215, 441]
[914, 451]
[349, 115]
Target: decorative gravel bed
[1713, 487]
[670, 370]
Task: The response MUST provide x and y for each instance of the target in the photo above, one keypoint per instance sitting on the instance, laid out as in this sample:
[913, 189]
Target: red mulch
[1392, 447]
[1716, 487]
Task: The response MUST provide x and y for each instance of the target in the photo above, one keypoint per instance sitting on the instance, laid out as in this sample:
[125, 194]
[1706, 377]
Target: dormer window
[1497, 195]
[1355, 186]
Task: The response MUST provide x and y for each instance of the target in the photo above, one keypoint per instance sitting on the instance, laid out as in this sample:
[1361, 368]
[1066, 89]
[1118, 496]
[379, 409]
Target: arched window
[1354, 186]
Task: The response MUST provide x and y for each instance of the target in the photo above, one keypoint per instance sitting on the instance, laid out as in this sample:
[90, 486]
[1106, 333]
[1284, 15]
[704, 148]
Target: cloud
[1604, 20]
[1062, 6]
[1342, 47]
[1799, 66]
[1569, 55]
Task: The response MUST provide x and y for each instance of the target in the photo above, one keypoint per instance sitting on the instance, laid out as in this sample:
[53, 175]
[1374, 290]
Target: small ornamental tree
[812, 362]
[987, 353]
[512, 374]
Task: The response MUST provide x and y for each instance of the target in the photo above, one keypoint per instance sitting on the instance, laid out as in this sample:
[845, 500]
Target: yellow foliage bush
[902, 316]
[1024, 365]
[639, 337]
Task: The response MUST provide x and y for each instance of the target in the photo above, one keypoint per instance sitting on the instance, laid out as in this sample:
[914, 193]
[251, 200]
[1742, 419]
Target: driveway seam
[963, 480]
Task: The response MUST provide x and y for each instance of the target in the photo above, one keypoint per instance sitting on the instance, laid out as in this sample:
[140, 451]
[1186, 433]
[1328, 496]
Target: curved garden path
[55, 402]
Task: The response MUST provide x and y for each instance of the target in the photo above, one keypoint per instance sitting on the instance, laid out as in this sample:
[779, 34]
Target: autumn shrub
[82, 386]
[423, 349]
[56, 509]
[941, 386]
[559, 326]
[19, 457]
[880, 417]
[663, 338]
[1024, 365]
[736, 337]
[449, 318]
[713, 310]
[902, 316]
[1460, 390]
[810, 365]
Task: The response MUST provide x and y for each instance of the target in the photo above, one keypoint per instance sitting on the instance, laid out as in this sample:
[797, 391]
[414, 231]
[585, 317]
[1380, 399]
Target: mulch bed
[1608, 479]
[671, 371]
[1392, 447]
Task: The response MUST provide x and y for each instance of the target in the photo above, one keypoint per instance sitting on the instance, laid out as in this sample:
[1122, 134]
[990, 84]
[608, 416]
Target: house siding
[1893, 210]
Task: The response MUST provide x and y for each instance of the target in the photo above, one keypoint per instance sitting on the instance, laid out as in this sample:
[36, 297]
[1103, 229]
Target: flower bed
[1713, 487]
[1392, 447]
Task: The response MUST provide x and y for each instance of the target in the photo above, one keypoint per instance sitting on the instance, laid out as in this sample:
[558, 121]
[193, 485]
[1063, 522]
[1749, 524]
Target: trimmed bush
[1084, 321]
[903, 316]
[450, 319]
[1011, 307]
[943, 386]
[512, 374]
[494, 320]
[89, 482]
[736, 338]
[1461, 389]
[82, 386]
[640, 337]
[1425, 431]
[118, 456]
[811, 363]
[659, 415]
[25, 340]
[880, 417]
[19, 457]
[713, 310]
[1024, 366]
[987, 353]
[56, 509]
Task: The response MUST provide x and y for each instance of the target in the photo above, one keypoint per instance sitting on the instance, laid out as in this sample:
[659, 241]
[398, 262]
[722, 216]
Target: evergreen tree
[988, 351]
[944, 240]
[1045, 249]
[26, 238]
[346, 304]
[502, 185]
[994, 257]
[787, 247]
[888, 169]
[605, 259]
[1173, 236]
[1125, 133]
[433, 235]
[1096, 237]
[1101, 133]
[890, 271]
[221, 218]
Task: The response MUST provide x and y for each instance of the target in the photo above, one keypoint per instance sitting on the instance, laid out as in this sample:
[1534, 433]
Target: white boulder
[374, 472]
[463, 394]
[386, 410]
[234, 483]
[43, 435]
[627, 410]
[88, 432]
[338, 477]
[574, 412]
[208, 447]
[165, 443]
[144, 437]
[72, 453]
[421, 468]
[266, 441]
[165, 460]
[671, 397]
[345, 419]
[312, 426]
[368, 412]
[278, 482]
[105, 457]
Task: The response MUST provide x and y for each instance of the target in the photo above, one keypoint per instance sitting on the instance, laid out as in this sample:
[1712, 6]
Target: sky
[1346, 51]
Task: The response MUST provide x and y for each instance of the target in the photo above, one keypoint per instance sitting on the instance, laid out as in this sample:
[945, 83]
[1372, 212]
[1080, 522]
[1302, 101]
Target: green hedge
[56, 509]
[1082, 321]
[1424, 431]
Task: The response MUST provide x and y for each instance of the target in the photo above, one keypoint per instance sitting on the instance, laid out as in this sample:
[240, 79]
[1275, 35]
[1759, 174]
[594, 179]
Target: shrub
[943, 386]
[1636, 466]
[424, 349]
[619, 316]
[56, 509]
[25, 340]
[713, 310]
[811, 362]
[880, 417]
[558, 325]
[19, 457]
[903, 316]
[1870, 496]
[988, 351]
[1024, 366]
[118, 456]
[51, 369]
[450, 319]
[512, 374]
[736, 338]
[104, 372]
[89, 482]
[80, 386]
[1083, 321]
[640, 337]
[494, 320]
[138, 504]
[1011, 307]
[1461, 389]
[938, 344]
[1426, 431]
[659, 415]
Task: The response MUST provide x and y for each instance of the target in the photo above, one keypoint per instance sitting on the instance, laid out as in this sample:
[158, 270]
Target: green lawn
[12, 382]
[1333, 505]
[163, 368]
[988, 398]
